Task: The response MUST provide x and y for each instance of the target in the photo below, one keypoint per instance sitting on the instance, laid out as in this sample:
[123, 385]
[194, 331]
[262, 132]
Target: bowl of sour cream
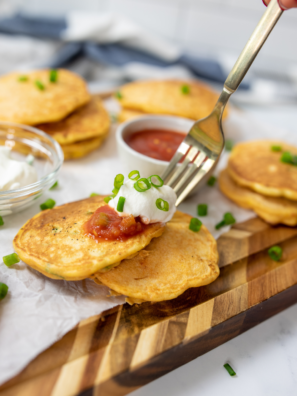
[29, 163]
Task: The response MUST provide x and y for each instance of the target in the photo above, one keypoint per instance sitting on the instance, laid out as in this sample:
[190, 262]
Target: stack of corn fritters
[63, 108]
[258, 178]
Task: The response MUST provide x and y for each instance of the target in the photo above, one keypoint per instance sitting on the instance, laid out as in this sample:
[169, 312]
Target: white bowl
[131, 159]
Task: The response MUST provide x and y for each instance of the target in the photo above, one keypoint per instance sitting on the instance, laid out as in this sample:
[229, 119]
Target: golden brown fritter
[54, 242]
[256, 166]
[167, 97]
[89, 121]
[168, 266]
[23, 102]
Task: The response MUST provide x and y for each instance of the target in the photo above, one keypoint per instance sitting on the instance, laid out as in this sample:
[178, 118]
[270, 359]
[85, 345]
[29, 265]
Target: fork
[203, 145]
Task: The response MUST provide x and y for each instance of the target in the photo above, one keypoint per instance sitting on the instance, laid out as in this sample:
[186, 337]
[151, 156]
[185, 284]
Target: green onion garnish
[159, 179]
[121, 203]
[119, 95]
[93, 195]
[229, 369]
[229, 145]
[275, 253]
[3, 290]
[107, 199]
[162, 205]
[53, 76]
[11, 259]
[142, 185]
[1, 221]
[286, 157]
[134, 173]
[185, 89]
[195, 224]
[115, 191]
[227, 220]
[276, 148]
[202, 210]
[23, 79]
[48, 204]
[39, 85]
[54, 186]
[211, 181]
[118, 181]
[289, 158]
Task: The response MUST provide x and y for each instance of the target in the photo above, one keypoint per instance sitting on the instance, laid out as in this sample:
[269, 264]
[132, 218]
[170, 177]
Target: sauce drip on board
[106, 224]
[160, 144]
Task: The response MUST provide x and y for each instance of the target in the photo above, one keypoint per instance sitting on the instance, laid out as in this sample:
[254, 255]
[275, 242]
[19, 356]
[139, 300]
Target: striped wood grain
[132, 345]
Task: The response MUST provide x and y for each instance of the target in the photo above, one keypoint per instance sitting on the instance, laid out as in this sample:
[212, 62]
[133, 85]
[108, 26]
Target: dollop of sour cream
[143, 204]
[14, 174]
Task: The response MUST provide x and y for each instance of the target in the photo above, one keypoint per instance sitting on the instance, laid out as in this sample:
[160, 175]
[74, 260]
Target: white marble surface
[264, 358]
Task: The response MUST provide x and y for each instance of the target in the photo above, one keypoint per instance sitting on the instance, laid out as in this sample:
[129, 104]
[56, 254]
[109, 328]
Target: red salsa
[156, 143]
[106, 224]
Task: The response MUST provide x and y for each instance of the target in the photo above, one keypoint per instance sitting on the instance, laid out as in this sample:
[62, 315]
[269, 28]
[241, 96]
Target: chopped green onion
[54, 186]
[275, 253]
[93, 195]
[107, 199]
[115, 191]
[229, 145]
[142, 185]
[211, 181]
[120, 205]
[48, 204]
[286, 158]
[118, 181]
[1, 221]
[276, 148]
[227, 220]
[185, 89]
[160, 180]
[30, 159]
[39, 85]
[202, 210]
[11, 259]
[53, 77]
[229, 369]
[289, 158]
[119, 95]
[195, 224]
[3, 290]
[162, 205]
[23, 79]
[220, 225]
[134, 173]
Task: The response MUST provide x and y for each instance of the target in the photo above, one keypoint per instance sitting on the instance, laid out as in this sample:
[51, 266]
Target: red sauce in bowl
[106, 224]
[156, 143]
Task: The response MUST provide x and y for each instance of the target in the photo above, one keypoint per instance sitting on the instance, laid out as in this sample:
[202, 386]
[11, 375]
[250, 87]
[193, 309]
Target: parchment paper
[38, 311]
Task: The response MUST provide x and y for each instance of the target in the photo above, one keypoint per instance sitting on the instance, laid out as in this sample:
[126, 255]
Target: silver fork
[203, 145]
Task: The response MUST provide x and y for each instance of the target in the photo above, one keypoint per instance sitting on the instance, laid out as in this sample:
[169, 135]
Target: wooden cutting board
[125, 348]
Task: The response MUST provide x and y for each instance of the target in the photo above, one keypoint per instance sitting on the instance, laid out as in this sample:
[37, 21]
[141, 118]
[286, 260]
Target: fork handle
[253, 46]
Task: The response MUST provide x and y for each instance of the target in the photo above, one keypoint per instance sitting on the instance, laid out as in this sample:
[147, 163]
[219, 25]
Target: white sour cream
[14, 174]
[143, 204]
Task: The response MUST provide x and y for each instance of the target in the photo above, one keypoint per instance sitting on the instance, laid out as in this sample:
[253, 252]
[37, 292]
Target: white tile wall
[199, 26]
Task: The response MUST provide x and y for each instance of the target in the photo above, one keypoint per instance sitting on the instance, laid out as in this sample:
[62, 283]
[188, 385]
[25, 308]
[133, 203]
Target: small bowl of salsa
[148, 143]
